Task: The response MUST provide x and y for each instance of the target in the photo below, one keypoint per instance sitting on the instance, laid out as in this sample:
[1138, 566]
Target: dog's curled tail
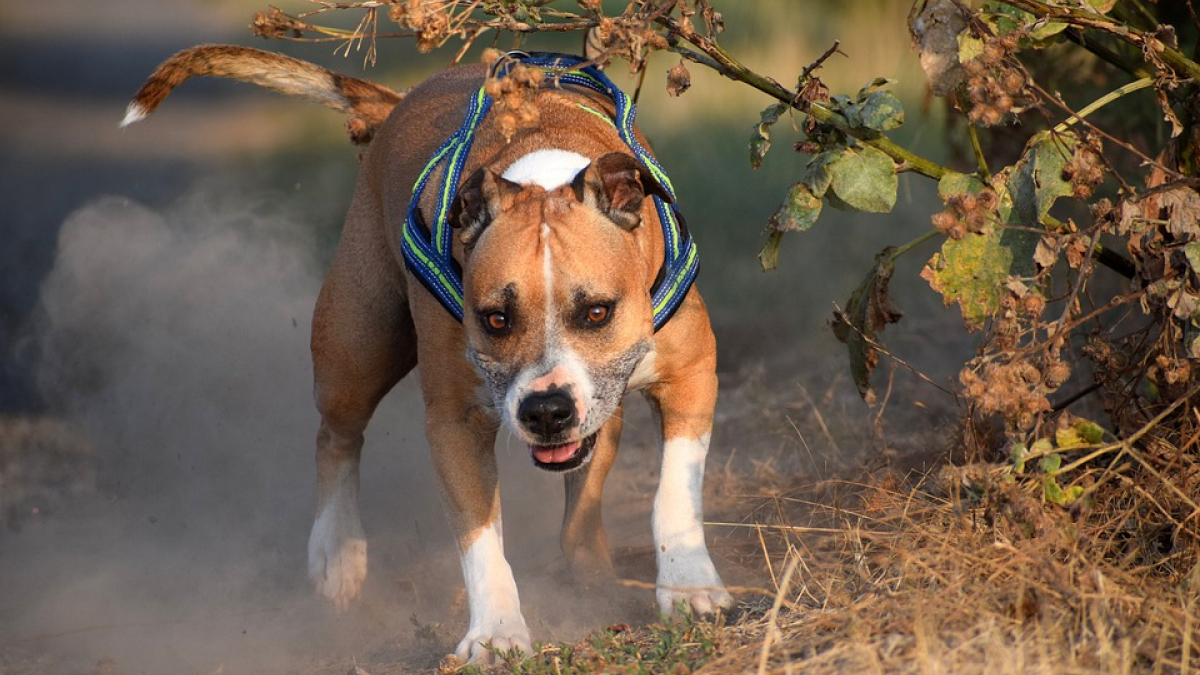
[368, 103]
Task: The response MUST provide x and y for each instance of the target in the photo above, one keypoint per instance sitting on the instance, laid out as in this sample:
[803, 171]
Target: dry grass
[948, 574]
[936, 574]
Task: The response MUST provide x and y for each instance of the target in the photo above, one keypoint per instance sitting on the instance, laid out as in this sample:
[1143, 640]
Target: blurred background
[156, 288]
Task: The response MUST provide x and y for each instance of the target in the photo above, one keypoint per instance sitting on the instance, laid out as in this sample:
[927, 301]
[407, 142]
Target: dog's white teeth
[134, 113]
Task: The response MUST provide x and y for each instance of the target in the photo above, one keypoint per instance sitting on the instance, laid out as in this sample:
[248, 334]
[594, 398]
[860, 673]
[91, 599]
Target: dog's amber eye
[598, 314]
[496, 322]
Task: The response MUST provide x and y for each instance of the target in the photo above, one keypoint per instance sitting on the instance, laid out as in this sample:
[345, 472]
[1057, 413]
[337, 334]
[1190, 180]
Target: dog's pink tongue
[554, 454]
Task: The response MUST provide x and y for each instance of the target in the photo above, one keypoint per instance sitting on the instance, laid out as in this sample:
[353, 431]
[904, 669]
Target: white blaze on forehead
[549, 169]
[548, 283]
[560, 366]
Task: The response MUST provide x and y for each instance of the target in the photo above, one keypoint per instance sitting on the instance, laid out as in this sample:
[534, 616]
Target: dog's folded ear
[478, 202]
[616, 184]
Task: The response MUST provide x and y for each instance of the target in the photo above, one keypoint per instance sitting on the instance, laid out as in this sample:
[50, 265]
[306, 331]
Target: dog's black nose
[547, 413]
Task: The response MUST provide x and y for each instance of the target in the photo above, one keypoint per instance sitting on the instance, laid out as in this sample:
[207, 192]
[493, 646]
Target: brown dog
[559, 248]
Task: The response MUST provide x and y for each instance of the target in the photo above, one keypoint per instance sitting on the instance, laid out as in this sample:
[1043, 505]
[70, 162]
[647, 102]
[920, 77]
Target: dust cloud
[176, 343]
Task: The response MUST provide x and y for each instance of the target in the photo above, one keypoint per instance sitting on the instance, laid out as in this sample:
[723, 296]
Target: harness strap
[427, 250]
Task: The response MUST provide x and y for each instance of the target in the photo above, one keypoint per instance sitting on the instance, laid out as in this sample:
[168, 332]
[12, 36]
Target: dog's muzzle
[551, 415]
[547, 414]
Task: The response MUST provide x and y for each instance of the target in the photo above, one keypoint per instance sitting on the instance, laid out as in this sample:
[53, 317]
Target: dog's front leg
[465, 462]
[686, 575]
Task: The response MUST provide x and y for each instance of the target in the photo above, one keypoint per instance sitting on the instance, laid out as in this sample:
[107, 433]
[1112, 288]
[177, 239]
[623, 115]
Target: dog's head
[557, 306]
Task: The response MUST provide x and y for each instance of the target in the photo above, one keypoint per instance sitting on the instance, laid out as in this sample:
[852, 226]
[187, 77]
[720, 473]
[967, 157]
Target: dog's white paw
[482, 644]
[690, 581]
[337, 557]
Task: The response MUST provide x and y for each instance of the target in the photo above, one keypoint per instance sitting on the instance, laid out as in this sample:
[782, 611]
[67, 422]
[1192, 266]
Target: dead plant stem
[773, 634]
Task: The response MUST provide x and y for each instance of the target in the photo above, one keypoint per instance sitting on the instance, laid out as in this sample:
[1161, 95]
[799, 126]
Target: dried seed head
[1057, 374]
[1013, 81]
[987, 199]
[490, 56]
[679, 79]
[513, 94]
[988, 116]
[993, 53]
[993, 86]
[976, 221]
[274, 24]
[944, 220]
[1032, 305]
[508, 123]
[1085, 170]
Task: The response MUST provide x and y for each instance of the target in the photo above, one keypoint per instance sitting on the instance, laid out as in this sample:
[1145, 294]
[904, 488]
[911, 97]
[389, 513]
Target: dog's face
[557, 307]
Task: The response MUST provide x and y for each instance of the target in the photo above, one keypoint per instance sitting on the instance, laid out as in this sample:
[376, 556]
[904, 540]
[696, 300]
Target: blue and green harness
[427, 249]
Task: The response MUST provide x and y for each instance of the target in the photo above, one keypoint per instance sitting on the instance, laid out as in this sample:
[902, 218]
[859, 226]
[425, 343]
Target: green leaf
[816, 173]
[873, 86]
[1041, 446]
[881, 111]
[1052, 492]
[972, 271]
[1036, 181]
[1018, 453]
[1051, 463]
[1068, 438]
[863, 179]
[760, 140]
[1080, 432]
[954, 183]
[768, 257]
[868, 312]
[798, 212]
[800, 209]
[874, 108]
[1191, 251]
[969, 47]
[1091, 432]
[1102, 6]
[1044, 30]
[1004, 18]
[840, 103]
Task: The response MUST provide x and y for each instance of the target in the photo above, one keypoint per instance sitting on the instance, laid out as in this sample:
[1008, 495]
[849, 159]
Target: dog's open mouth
[563, 457]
